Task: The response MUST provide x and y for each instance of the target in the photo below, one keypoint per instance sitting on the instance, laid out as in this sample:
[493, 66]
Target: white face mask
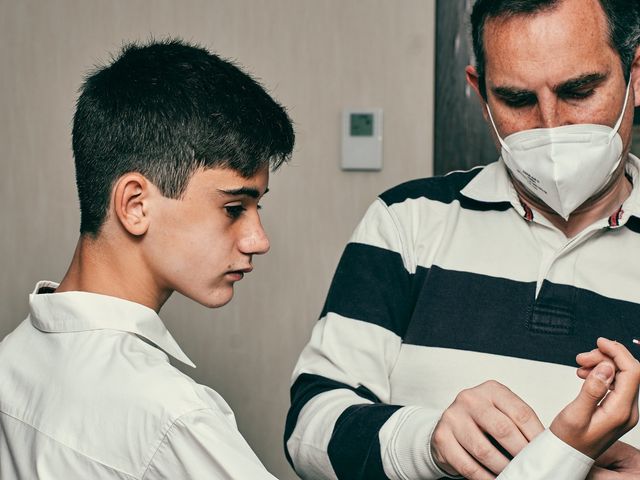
[564, 166]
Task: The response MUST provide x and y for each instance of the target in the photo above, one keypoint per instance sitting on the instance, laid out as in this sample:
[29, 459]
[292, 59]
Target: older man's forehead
[554, 45]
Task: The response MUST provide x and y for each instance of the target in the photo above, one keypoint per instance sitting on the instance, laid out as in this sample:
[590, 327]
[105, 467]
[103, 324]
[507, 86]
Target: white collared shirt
[87, 392]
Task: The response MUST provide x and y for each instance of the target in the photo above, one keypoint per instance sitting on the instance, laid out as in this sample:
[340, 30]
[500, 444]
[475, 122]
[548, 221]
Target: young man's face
[554, 68]
[201, 244]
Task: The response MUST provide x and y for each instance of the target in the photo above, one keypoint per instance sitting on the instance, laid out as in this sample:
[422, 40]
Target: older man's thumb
[604, 372]
[597, 384]
[578, 414]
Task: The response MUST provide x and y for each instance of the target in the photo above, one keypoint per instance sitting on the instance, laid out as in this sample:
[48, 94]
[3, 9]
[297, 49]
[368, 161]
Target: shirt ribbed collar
[632, 204]
[493, 185]
[82, 311]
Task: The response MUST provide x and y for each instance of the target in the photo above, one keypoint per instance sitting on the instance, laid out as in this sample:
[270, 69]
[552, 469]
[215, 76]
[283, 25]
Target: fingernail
[604, 372]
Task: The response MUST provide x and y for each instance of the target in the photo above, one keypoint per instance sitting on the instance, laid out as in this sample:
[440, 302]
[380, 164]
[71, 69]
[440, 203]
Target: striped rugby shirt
[448, 282]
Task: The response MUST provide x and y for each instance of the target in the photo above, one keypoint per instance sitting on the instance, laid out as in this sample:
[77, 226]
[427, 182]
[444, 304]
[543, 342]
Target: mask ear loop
[502, 142]
[624, 108]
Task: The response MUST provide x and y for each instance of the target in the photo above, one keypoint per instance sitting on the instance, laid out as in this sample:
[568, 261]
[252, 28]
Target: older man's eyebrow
[514, 95]
[582, 82]
[519, 96]
[247, 191]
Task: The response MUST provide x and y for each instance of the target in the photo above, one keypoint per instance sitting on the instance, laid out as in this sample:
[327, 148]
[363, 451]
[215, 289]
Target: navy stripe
[443, 189]
[354, 448]
[471, 204]
[474, 312]
[633, 224]
[304, 389]
[372, 285]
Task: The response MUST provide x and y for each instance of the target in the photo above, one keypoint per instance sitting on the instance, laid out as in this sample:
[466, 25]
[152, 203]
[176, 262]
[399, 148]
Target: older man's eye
[234, 211]
[578, 94]
[520, 102]
[515, 98]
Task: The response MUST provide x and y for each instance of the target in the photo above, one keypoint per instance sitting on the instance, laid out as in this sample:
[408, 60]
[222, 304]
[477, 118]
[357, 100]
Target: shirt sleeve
[547, 458]
[203, 444]
[341, 424]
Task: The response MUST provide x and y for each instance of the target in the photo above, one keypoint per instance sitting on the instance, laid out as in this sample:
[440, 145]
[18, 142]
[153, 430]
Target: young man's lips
[235, 276]
[238, 274]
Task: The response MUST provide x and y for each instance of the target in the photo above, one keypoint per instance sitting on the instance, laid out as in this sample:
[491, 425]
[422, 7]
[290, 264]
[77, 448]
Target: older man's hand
[607, 405]
[620, 462]
[460, 444]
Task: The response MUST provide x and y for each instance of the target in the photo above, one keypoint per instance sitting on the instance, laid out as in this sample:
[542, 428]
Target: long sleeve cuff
[405, 440]
[548, 458]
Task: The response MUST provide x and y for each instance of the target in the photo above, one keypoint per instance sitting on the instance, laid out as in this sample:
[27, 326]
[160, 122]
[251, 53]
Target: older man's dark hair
[623, 19]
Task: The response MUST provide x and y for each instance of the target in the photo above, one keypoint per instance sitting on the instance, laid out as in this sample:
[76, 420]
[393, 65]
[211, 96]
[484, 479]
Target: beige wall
[317, 57]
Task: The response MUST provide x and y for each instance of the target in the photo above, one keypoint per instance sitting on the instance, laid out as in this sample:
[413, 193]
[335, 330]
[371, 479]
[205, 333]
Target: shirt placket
[554, 305]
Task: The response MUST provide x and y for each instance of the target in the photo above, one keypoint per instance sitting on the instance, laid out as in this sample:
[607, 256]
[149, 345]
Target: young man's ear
[473, 79]
[130, 203]
[635, 77]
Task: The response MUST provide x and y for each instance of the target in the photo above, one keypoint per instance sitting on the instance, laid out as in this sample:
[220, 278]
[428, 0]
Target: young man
[172, 147]
[451, 329]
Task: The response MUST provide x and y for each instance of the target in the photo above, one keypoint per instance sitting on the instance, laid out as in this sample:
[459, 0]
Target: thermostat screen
[361, 125]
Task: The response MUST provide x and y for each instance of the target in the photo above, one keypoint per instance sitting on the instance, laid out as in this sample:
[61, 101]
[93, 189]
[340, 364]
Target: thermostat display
[361, 124]
[362, 139]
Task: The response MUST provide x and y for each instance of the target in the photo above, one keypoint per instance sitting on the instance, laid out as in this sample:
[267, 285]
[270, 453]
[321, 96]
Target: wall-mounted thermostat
[362, 139]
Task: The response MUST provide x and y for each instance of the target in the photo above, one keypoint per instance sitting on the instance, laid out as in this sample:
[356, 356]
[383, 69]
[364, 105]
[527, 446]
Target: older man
[450, 330]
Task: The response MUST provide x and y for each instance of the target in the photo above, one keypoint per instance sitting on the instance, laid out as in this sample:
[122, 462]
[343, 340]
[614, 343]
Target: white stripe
[310, 439]
[351, 352]
[378, 229]
[459, 239]
[405, 444]
[488, 243]
[432, 377]
[347, 351]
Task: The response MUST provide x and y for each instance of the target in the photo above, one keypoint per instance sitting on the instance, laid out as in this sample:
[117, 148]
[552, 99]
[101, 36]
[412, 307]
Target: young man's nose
[255, 241]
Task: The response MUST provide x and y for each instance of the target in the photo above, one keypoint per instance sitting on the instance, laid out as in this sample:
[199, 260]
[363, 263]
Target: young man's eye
[234, 211]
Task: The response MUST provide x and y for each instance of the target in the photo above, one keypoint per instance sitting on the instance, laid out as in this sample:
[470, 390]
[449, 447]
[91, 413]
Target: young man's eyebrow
[582, 81]
[248, 191]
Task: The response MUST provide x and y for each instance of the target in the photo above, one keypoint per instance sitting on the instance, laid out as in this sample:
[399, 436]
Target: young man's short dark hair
[165, 109]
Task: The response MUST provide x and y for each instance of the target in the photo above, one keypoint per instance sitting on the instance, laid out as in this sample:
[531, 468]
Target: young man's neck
[602, 207]
[100, 267]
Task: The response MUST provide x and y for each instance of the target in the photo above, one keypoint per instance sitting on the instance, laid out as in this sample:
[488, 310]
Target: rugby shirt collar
[492, 185]
[67, 312]
[631, 205]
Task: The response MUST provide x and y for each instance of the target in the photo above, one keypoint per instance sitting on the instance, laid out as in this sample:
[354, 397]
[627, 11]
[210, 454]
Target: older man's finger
[593, 390]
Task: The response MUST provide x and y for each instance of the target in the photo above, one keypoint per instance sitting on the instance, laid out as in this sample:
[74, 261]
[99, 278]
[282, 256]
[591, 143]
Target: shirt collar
[82, 311]
[493, 184]
[632, 204]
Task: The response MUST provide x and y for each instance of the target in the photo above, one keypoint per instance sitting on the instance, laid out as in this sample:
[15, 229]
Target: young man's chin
[208, 296]
[218, 299]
